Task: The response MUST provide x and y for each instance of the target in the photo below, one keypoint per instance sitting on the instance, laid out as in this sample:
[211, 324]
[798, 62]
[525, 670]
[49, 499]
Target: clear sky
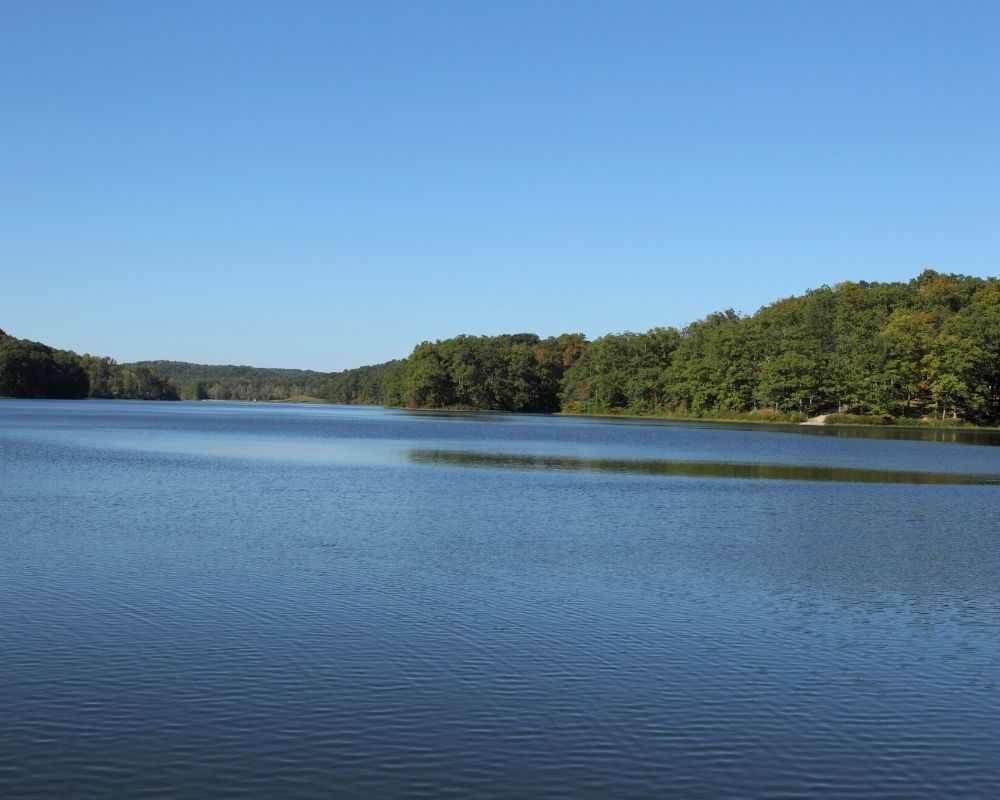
[323, 185]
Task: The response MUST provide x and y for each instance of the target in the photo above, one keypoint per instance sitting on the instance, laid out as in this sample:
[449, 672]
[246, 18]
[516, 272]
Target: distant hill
[241, 382]
[183, 371]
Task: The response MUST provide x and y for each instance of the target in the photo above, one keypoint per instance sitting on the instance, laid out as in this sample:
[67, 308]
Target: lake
[276, 601]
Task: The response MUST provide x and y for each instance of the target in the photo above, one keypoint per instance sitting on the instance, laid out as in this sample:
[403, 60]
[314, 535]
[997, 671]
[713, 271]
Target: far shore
[752, 420]
[747, 419]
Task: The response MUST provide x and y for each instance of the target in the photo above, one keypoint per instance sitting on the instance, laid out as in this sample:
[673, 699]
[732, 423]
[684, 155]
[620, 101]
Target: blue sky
[324, 185]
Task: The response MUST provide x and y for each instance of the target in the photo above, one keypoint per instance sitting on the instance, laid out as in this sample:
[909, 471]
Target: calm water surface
[221, 600]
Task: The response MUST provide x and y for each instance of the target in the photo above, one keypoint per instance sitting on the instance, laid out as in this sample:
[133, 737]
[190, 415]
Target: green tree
[194, 390]
[32, 369]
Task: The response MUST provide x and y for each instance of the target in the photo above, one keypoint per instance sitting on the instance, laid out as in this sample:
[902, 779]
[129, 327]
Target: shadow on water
[695, 469]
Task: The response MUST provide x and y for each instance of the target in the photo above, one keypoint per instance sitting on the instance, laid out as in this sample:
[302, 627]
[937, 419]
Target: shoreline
[747, 420]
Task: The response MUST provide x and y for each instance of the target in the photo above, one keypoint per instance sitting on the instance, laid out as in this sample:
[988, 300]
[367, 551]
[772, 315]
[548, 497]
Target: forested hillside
[32, 369]
[884, 350]
[231, 382]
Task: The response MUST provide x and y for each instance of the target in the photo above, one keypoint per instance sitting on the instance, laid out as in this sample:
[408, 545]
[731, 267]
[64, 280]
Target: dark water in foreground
[214, 600]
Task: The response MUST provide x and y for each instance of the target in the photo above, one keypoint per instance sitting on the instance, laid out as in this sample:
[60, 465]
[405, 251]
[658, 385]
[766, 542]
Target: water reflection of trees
[699, 469]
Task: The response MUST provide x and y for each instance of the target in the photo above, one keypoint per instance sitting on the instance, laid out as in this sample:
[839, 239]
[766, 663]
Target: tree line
[33, 369]
[512, 372]
[883, 351]
[237, 382]
[930, 346]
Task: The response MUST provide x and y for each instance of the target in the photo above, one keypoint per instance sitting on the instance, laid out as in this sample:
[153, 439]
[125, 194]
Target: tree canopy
[512, 372]
[33, 369]
[929, 346]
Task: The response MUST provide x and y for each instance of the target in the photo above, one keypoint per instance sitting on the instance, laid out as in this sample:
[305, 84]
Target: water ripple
[189, 625]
